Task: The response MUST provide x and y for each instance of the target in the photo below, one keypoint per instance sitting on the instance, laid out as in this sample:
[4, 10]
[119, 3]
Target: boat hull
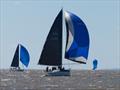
[59, 73]
[16, 69]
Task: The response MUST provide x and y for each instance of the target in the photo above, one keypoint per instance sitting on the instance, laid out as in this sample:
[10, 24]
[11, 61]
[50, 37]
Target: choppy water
[79, 80]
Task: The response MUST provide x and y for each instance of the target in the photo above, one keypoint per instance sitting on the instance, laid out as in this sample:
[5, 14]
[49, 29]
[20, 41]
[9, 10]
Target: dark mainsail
[52, 50]
[15, 62]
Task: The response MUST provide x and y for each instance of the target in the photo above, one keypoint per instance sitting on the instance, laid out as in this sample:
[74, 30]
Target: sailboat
[77, 44]
[95, 64]
[21, 55]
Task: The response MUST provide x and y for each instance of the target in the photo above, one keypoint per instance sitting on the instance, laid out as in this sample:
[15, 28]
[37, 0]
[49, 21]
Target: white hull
[58, 73]
[16, 69]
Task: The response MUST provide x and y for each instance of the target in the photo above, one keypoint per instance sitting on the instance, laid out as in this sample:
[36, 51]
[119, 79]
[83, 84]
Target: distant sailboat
[77, 43]
[95, 62]
[21, 54]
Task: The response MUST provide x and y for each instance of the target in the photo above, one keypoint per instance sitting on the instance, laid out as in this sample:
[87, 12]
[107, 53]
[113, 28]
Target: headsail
[52, 50]
[15, 62]
[77, 45]
[24, 55]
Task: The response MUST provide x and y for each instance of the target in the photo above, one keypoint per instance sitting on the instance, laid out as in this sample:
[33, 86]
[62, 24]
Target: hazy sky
[29, 21]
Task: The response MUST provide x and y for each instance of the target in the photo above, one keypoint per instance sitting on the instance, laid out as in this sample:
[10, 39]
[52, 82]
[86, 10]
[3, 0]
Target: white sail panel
[70, 40]
[79, 59]
[70, 31]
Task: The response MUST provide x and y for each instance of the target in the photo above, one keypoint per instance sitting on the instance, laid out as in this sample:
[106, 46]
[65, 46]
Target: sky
[28, 22]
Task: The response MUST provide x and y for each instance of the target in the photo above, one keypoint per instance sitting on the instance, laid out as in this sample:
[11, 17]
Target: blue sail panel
[80, 37]
[24, 56]
[77, 52]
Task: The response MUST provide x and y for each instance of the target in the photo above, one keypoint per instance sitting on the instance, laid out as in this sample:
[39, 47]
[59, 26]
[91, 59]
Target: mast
[62, 36]
[19, 54]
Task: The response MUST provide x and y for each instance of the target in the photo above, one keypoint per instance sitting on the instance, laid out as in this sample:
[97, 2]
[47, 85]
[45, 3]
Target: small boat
[95, 63]
[21, 55]
[77, 44]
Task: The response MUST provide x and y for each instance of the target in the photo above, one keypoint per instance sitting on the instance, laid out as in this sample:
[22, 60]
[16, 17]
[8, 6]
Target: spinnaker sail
[77, 45]
[24, 56]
